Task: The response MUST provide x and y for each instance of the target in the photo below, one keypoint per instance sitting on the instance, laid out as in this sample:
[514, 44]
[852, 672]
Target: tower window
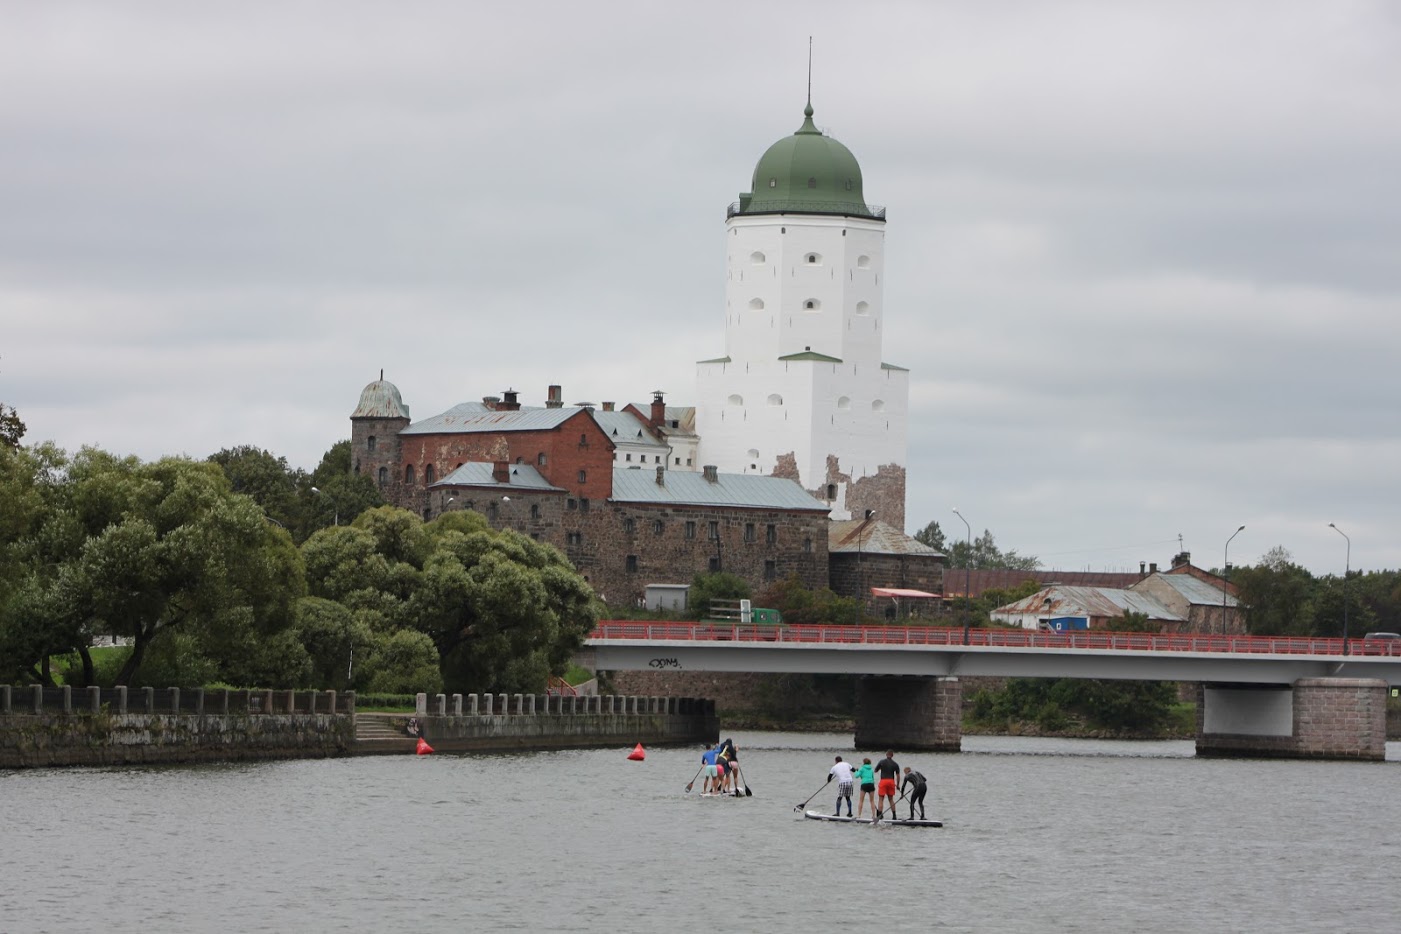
[863, 308]
[583, 476]
[632, 564]
[863, 262]
[756, 304]
[812, 304]
[408, 474]
[757, 258]
[429, 474]
[848, 184]
[629, 526]
[770, 570]
[384, 476]
[773, 183]
[736, 400]
[534, 510]
[574, 538]
[540, 459]
[775, 399]
[878, 406]
[814, 259]
[831, 491]
[370, 442]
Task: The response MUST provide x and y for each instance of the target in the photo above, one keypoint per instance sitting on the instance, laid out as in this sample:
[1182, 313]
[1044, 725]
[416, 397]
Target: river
[1040, 835]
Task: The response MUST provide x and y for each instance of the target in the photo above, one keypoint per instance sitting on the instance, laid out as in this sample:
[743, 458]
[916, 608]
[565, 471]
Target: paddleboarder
[728, 759]
[842, 773]
[712, 773]
[889, 771]
[918, 785]
[866, 776]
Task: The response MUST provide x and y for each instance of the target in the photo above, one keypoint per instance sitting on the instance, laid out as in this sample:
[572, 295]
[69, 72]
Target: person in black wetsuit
[918, 785]
[729, 758]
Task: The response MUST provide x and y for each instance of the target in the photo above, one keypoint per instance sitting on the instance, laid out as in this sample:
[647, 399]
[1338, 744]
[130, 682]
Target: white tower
[801, 390]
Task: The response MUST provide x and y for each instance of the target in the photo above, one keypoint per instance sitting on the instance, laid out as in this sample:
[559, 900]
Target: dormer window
[773, 183]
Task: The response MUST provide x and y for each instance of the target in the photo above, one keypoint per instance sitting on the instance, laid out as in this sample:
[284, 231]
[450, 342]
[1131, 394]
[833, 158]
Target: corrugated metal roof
[472, 417]
[684, 487]
[523, 476]
[1003, 579]
[624, 426]
[1196, 591]
[873, 538]
[1089, 601]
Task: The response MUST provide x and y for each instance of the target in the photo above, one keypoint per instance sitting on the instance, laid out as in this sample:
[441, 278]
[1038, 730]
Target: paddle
[694, 777]
[739, 777]
[799, 807]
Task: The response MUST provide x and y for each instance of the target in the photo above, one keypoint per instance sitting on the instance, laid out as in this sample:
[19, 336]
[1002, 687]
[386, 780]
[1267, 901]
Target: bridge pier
[909, 714]
[1314, 718]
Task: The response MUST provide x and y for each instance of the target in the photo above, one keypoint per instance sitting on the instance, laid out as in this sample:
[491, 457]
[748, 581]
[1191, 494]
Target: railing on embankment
[994, 638]
[499, 722]
[58, 726]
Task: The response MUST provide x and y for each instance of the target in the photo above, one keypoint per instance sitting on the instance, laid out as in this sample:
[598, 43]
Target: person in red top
[888, 771]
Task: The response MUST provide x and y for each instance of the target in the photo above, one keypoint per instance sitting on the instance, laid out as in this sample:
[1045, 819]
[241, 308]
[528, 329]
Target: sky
[1143, 259]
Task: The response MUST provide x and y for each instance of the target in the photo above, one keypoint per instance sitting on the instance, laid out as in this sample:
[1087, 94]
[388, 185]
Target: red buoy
[423, 748]
[637, 754]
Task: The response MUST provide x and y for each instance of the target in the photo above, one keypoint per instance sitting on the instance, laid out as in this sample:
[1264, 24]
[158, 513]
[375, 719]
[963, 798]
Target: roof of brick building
[684, 487]
[873, 537]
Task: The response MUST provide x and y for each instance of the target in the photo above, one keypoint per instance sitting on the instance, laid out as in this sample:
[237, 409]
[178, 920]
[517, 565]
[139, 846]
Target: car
[1383, 635]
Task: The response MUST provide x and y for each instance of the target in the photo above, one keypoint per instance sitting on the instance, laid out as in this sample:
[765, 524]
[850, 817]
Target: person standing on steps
[842, 773]
[918, 785]
[889, 771]
[866, 776]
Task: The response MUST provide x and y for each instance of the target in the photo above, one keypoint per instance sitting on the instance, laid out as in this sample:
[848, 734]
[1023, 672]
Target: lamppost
[1226, 576]
[336, 509]
[1347, 569]
[967, 578]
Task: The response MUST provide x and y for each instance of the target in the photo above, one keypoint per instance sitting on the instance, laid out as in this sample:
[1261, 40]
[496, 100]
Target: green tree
[264, 478]
[149, 550]
[335, 494]
[11, 428]
[798, 605]
[933, 536]
[983, 553]
[502, 611]
[1278, 595]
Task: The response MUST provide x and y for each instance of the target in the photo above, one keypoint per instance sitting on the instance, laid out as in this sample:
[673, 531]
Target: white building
[802, 390]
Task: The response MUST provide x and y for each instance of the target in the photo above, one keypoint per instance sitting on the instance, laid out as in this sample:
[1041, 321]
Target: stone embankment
[42, 727]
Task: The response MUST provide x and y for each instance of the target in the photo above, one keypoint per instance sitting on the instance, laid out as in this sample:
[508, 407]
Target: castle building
[802, 390]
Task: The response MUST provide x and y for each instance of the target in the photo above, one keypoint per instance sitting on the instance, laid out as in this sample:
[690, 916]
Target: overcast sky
[1143, 259]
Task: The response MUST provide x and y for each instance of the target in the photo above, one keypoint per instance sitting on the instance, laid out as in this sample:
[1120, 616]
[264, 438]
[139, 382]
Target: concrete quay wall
[505, 722]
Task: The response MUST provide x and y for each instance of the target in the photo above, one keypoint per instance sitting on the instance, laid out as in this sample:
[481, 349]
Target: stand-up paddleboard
[893, 822]
[719, 794]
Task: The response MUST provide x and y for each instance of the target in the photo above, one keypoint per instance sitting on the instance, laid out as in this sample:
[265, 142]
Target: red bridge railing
[997, 638]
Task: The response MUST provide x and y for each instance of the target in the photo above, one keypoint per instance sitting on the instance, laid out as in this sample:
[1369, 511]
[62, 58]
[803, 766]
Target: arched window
[844, 402]
[878, 406]
[429, 474]
[812, 304]
[863, 262]
[736, 399]
[863, 308]
[534, 510]
[583, 476]
[775, 399]
[831, 491]
[408, 474]
[757, 258]
[370, 442]
[384, 476]
[773, 183]
[756, 304]
[814, 259]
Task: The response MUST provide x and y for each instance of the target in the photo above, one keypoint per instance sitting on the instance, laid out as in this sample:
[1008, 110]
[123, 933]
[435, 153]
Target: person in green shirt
[866, 781]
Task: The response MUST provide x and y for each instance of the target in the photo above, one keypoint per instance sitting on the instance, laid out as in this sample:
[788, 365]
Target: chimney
[658, 419]
[607, 406]
[1142, 568]
[554, 397]
[501, 471]
[712, 473]
[1153, 568]
[509, 404]
[1181, 558]
[661, 475]
[491, 402]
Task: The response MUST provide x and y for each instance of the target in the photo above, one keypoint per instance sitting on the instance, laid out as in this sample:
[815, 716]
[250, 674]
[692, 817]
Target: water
[1041, 835]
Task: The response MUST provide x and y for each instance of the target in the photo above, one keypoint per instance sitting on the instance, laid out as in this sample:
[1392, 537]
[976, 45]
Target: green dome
[806, 173]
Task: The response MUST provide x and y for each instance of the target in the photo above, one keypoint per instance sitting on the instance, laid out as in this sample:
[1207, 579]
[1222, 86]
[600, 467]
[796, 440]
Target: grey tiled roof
[683, 487]
[523, 476]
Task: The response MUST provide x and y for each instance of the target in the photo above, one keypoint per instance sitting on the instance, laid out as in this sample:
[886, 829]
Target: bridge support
[1314, 718]
[909, 714]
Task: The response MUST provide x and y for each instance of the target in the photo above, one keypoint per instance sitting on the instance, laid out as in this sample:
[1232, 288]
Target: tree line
[238, 570]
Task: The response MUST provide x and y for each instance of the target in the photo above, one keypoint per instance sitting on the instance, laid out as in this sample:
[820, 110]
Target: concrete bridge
[1258, 696]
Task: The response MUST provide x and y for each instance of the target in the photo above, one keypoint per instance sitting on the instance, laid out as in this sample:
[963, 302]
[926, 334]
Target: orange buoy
[637, 754]
[423, 748]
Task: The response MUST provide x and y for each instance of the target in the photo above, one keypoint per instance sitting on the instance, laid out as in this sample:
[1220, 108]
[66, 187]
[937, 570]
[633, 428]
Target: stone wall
[853, 575]
[508, 722]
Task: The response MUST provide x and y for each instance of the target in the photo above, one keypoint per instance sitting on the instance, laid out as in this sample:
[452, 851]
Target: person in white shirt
[842, 773]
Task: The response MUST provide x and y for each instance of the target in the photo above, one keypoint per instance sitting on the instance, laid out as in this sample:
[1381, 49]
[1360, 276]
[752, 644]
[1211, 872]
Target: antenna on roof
[381, 374]
[1179, 543]
[809, 71]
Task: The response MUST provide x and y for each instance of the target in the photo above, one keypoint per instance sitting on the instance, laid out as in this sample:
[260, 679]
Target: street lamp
[335, 509]
[1347, 569]
[1226, 576]
[967, 578]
